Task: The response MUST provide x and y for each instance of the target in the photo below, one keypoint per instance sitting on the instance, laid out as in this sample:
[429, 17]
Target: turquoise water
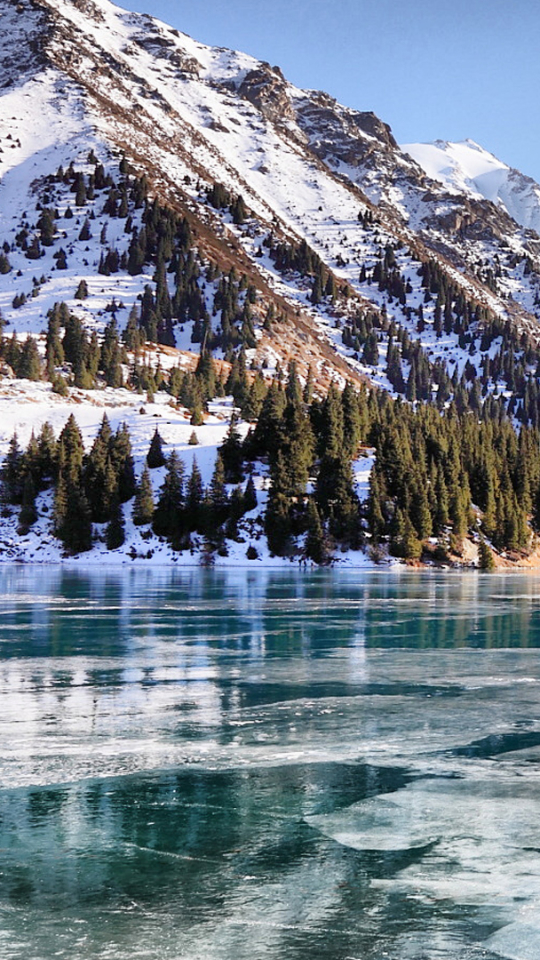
[252, 764]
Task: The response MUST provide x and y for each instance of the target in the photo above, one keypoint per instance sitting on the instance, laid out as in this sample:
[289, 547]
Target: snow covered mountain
[147, 179]
[82, 74]
[466, 168]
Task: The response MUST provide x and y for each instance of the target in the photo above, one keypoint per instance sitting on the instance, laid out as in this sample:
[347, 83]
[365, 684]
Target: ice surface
[380, 824]
[517, 941]
[243, 764]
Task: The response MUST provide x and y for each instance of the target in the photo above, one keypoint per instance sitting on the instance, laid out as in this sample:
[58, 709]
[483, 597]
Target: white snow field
[466, 167]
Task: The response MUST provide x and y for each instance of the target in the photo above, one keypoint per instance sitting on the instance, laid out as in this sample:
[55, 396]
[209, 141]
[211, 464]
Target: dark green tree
[194, 498]
[115, 534]
[155, 456]
[315, 546]
[28, 514]
[30, 362]
[169, 518]
[143, 507]
[12, 473]
[232, 453]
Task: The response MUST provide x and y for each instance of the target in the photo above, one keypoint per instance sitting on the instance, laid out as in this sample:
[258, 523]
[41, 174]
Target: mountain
[466, 168]
[80, 75]
[169, 207]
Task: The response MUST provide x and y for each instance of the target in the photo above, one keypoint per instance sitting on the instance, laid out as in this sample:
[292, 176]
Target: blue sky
[431, 69]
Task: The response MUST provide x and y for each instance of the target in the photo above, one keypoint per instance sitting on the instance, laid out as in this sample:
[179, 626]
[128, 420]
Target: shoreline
[277, 564]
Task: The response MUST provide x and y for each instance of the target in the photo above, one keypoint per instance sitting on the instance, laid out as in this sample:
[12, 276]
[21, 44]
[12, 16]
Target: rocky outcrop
[267, 89]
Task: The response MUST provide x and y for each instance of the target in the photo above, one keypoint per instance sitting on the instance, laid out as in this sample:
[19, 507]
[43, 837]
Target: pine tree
[217, 500]
[194, 499]
[307, 395]
[277, 524]
[143, 507]
[111, 356]
[485, 556]
[155, 456]
[267, 436]
[238, 210]
[315, 542]
[277, 521]
[133, 336]
[412, 548]
[168, 520]
[31, 466]
[489, 519]
[375, 505]
[54, 349]
[352, 422]
[28, 514]
[84, 236]
[71, 448]
[370, 355]
[61, 261]
[115, 533]
[79, 188]
[441, 506]
[397, 533]
[72, 515]
[109, 491]
[47, 227]
[297, 448]
[75, 344]
[100, 482]
[12, 473]
[420, 513]
[331, 433]
[30, 363]
[232, 454]
[250, 496]
[197, 418]
[122, 459]
[47, 455]
[236, 511]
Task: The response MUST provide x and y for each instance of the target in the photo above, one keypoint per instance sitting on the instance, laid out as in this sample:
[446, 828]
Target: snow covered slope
[85, 75]
[467, 168]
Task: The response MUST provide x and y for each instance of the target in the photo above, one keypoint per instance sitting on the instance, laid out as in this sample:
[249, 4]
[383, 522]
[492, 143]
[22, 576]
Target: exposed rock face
[22, 54]
[336, 133]
[267, 89]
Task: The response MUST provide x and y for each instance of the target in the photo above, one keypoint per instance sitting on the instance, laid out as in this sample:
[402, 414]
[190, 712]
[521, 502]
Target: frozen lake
[251, 764]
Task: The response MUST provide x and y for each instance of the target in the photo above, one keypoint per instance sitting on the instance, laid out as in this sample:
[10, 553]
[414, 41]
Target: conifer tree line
[94, 487]
[73, 356]
[441, 475]
[514, 365]
[301, 258]
[437, 474]
[372, 337]
[158, 240]
[221, 306]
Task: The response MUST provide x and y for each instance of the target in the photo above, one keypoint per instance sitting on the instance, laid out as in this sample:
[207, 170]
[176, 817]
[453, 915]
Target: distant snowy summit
[466, 167]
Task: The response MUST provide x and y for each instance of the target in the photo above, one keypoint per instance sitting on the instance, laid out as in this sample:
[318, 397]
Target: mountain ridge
[466, 167]
[361, 162]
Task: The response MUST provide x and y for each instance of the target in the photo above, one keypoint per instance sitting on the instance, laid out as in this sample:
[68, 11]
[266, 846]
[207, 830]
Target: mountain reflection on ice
[213, 764]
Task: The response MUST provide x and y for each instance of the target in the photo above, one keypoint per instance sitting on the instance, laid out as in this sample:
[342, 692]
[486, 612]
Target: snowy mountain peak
[86, 79]
[465, 167]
